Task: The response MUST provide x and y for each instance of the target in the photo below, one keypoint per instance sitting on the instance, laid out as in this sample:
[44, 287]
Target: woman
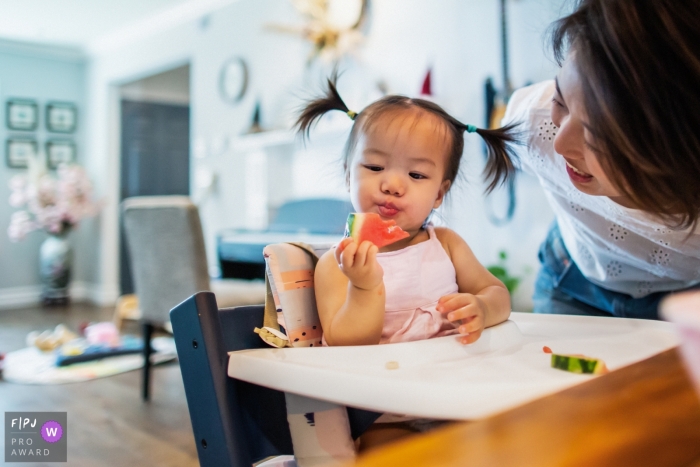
[615, 143]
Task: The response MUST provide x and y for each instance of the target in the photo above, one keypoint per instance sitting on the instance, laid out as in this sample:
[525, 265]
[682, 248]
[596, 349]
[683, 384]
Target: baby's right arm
[350, 297]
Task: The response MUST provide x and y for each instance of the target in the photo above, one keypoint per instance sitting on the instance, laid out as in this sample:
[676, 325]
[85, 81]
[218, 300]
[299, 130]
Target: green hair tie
[471, 129]
[351, 114]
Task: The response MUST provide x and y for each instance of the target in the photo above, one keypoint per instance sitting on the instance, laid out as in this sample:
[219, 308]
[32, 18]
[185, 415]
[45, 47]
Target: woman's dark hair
[639, 63]
[499, 166]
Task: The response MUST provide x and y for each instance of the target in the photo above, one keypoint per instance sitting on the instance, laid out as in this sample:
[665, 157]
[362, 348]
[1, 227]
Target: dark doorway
[155, 158]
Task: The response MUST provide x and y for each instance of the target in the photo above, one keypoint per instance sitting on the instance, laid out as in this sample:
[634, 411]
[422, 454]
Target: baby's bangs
[368, 121]
[444, 125]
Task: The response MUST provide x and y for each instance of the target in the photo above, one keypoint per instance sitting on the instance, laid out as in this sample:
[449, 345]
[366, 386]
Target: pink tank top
[415, 278]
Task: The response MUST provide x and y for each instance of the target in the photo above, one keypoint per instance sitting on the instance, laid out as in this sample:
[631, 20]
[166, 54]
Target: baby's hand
[467, 311]
[359, 263]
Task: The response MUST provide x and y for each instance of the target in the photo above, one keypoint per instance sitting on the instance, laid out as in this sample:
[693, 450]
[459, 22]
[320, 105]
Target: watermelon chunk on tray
[579, 364]
[370, 226]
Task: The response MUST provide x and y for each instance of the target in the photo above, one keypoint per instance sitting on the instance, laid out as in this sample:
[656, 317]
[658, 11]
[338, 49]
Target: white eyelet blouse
[620, 249]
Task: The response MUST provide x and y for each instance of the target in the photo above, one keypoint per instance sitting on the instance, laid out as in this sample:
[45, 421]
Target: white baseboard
[103, 294]
[19, 297]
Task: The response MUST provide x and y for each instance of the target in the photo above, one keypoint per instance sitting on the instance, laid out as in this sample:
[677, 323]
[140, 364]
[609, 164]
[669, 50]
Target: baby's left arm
[482, 300]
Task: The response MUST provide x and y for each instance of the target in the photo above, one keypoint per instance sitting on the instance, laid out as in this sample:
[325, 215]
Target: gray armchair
[169, 263]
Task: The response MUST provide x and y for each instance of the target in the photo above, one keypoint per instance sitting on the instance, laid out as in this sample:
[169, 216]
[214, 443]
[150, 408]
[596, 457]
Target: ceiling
[86, 24]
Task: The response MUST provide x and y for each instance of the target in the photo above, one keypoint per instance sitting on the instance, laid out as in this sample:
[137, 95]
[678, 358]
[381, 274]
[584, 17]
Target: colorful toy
[370, 226]
[102, 333]
[50, 340]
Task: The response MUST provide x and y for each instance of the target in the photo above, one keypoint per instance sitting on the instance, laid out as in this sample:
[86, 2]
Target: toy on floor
[50, 340]
[102, 333]
[80, 350]
[100, 340]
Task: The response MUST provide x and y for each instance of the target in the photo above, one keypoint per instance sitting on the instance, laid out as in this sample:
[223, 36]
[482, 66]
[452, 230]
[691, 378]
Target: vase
[55, 261]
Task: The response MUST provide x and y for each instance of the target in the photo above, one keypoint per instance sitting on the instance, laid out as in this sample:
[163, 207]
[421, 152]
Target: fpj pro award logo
[36, 436]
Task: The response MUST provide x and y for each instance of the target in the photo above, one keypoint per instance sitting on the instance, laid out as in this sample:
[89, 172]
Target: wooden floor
[108, 424]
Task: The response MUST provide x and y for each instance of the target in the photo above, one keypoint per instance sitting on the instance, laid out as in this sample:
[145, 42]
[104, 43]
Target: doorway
[155, 144]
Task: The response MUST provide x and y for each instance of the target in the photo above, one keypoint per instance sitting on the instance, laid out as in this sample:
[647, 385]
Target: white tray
[441, 378]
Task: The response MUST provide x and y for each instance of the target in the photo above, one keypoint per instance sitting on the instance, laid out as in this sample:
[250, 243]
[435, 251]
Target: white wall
[459, 39]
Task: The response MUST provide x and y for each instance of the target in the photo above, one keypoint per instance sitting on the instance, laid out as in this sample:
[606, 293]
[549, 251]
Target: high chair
[237, 423]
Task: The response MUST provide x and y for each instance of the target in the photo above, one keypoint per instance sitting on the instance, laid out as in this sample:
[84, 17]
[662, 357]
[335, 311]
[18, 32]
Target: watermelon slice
[579, 364]
[370, 226]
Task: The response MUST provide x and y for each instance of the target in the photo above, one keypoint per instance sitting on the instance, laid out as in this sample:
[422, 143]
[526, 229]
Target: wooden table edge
[647, 413]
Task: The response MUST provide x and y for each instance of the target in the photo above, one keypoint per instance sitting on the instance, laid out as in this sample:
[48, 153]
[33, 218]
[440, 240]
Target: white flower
[18, 183]
[17, 199]
[52, 203]
[20, 225]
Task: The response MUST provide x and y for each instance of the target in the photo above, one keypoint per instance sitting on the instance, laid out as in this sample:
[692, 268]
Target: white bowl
[683, 310]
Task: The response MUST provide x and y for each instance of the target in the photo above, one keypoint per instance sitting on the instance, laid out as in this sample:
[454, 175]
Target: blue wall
[44, 74]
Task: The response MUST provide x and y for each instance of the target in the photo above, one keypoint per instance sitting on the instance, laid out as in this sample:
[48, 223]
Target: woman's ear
[444, 188]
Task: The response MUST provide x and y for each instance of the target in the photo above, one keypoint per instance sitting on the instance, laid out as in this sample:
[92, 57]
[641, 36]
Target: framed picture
[61, 117]
[18, 151]
[60, 152]
[22, 114]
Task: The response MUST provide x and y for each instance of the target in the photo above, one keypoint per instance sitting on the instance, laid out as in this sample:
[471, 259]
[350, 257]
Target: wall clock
[233, 80]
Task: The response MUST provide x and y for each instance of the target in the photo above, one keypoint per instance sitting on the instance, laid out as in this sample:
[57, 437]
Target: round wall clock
[233, 80]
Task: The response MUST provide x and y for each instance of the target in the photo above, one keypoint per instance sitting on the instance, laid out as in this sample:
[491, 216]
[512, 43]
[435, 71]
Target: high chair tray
[441, 378]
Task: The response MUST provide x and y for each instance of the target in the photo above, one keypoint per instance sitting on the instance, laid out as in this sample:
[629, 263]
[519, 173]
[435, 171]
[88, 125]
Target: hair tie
[471, 129]
[351, 114]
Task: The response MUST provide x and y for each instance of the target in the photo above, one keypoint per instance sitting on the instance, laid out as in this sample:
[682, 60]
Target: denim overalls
[561, 288]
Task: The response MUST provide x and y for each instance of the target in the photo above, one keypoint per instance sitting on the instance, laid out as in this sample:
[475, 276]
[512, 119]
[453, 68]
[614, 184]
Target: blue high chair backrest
[235, 423]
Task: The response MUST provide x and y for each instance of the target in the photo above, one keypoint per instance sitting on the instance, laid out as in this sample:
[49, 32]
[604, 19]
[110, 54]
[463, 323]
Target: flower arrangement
[53, 203]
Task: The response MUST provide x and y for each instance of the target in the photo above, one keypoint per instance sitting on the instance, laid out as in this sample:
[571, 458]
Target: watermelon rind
[351, 224]
[575, 364]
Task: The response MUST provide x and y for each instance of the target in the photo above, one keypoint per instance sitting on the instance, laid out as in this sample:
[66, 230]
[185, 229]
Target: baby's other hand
[359, 263]
[467, 311]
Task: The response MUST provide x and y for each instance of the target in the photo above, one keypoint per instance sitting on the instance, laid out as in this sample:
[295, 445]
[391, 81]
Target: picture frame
[22, 114]
[60, 152]
[61, 117]
[18, 151]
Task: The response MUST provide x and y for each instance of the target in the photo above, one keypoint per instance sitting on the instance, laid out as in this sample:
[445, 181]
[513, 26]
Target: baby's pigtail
[316, 108]
[501, 154]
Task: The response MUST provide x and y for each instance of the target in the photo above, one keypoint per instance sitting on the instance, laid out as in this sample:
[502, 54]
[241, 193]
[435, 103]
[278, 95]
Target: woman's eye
[556, 102]
[373, 168]
[416, 176]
